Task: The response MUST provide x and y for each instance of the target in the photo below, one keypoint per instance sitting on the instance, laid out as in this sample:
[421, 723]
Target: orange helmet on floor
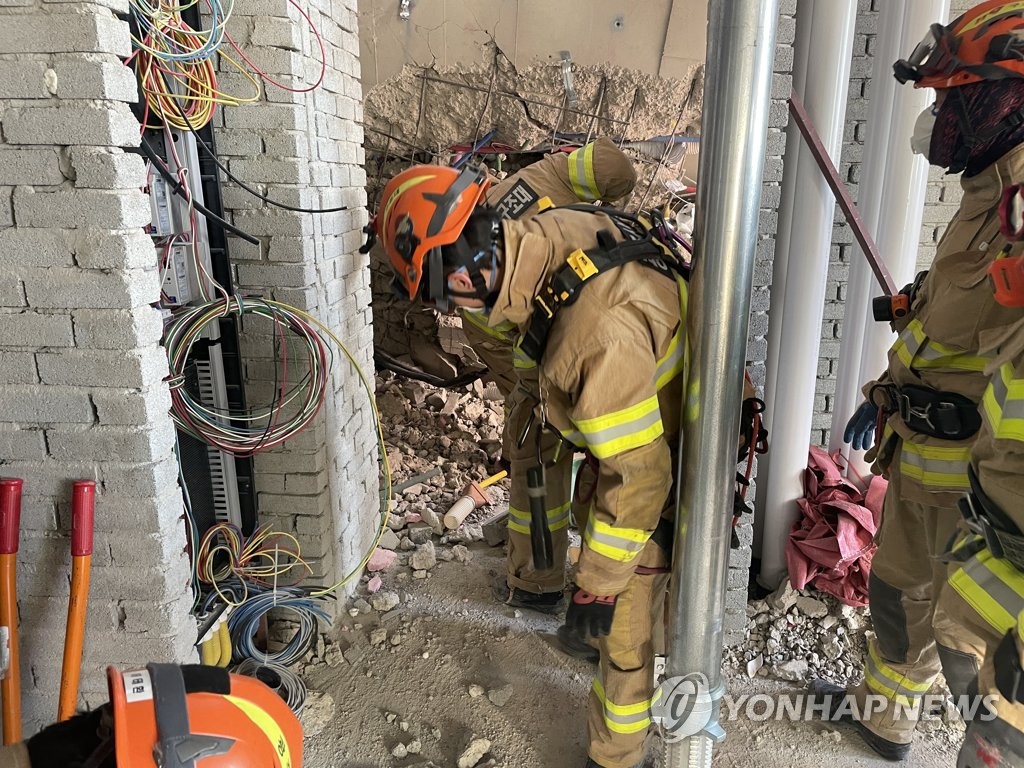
[985, 43]
[422, 209]
[171, 716]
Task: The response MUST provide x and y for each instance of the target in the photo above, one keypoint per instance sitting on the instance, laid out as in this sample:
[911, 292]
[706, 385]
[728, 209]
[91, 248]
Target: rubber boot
[573, 645]
[889, 750]
[550, 603]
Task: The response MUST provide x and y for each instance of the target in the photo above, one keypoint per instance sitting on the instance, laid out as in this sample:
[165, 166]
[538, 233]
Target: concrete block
[138, 616]
[294, 275]
[276, 32]
[266, 223]
[140, 496]
[132, 407]
[40, 167]
[239, 142]
[91, 123]
[126, 249]
[122, 444]
[35, 247]
[117, 328]
[103, 368]
[291, 249]
[267, 118]
[283, 461]
[42, 404]
[18, 368]
[304, 483]
[94, 76]
[293, 505]
[92, 30]
[89, 288]
[81, 208]
[107, 169]
[271, 171]
[17, 444]
[22, 79]
[36, 329]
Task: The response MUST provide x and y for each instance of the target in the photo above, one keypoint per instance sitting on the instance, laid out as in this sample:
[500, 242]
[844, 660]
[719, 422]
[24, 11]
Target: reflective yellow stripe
[558, 517]
[402, 188]
[916, 350]
[936, 467]
[883, 679]
[1003, 405]
[479, 321]
[619, 544]
[268, 725]
[623, 430]
[623, 718]
[993, 588]
[581, 174]
[521, 360]
[674, 361]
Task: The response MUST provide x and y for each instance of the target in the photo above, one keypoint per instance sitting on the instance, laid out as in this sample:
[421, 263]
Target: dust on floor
[456, 666]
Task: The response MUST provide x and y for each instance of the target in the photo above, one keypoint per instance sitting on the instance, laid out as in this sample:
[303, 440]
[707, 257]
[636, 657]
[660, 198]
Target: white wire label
[137, 686]
[5, 651]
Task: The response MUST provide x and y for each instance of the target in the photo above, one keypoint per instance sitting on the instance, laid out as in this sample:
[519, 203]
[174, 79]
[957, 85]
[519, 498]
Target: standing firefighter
[597, 171]
[929, 396]
[611, 355]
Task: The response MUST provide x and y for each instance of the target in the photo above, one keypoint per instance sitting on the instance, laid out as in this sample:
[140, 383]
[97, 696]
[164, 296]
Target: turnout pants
[908, 576]
[519, 386]
[618, 711]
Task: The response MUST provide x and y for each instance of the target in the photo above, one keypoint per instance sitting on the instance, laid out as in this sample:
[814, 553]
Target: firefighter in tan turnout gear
[928, 397]
[611, 361]
[597, 171]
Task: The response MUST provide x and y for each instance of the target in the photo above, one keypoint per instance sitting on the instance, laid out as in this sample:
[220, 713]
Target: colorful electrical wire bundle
[295, 405]
[267, 558]
[245, 621]
[288, 685]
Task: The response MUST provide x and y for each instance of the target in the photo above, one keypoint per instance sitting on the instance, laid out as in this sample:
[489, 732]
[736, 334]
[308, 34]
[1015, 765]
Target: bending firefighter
[597, 171]
[610, 360]
[170, 716]
[928, 397]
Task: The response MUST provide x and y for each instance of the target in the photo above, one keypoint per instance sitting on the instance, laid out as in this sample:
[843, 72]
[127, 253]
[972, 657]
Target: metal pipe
[741, 52]
[824, 48]
[10, 684]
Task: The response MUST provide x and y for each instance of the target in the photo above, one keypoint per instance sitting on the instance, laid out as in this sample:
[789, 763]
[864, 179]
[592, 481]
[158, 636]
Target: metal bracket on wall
[404, 9]
[570, 92]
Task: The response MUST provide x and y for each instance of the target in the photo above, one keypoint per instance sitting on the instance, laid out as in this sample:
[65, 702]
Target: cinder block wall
[305, 150]
[941, 203]
[81, 369]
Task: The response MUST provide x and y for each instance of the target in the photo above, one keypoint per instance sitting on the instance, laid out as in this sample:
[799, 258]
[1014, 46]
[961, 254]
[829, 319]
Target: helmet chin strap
[465, 260]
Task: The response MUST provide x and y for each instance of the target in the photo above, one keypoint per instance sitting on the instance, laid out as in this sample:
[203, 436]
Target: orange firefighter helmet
[171, 716]
[422, 209]
[985, 43]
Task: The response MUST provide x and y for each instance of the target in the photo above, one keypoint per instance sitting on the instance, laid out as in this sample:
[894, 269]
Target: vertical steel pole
[741, 53]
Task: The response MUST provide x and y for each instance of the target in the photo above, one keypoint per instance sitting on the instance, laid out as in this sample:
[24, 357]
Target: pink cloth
[832, 542]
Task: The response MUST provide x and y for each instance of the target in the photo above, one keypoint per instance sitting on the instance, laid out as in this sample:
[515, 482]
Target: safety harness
[645, 241]
[927, 411]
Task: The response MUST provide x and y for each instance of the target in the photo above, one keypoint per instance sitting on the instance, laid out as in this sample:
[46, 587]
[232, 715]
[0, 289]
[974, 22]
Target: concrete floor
[452, 635]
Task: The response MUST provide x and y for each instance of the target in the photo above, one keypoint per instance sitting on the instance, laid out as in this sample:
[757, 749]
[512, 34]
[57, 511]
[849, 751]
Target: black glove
[590, 615]
[1008, 672]
[860, 429]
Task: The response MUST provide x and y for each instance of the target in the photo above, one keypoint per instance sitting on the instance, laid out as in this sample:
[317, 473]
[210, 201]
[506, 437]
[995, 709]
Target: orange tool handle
[83, 506]
[10, 685]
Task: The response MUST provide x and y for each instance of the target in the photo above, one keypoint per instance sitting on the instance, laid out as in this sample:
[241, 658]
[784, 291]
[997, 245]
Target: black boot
[573, 645]
[836, 694]
[550, 603]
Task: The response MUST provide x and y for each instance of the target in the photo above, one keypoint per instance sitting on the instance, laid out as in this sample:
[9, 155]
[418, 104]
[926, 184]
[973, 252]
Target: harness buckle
[908, 411]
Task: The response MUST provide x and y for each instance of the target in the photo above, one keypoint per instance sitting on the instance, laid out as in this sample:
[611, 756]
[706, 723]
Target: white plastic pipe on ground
[891, 200]
[823, 51]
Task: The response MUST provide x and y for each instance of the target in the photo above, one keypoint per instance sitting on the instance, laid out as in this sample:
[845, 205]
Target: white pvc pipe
[892, 191]
[823, 51]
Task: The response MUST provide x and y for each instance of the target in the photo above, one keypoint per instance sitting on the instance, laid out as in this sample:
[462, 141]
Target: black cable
[179, 190]
[213, 156]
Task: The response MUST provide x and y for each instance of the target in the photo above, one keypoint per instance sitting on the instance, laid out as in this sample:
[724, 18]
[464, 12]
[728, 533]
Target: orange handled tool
[10, 684]
[83, 509]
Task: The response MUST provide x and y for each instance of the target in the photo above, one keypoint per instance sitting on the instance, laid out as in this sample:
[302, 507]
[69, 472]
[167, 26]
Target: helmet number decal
[137, 686]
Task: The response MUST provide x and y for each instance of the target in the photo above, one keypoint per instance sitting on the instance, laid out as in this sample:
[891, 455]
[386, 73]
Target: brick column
[81, 368]
[306, 150]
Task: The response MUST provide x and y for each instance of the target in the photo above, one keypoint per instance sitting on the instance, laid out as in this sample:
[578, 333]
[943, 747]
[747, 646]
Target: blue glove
[860, 429]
